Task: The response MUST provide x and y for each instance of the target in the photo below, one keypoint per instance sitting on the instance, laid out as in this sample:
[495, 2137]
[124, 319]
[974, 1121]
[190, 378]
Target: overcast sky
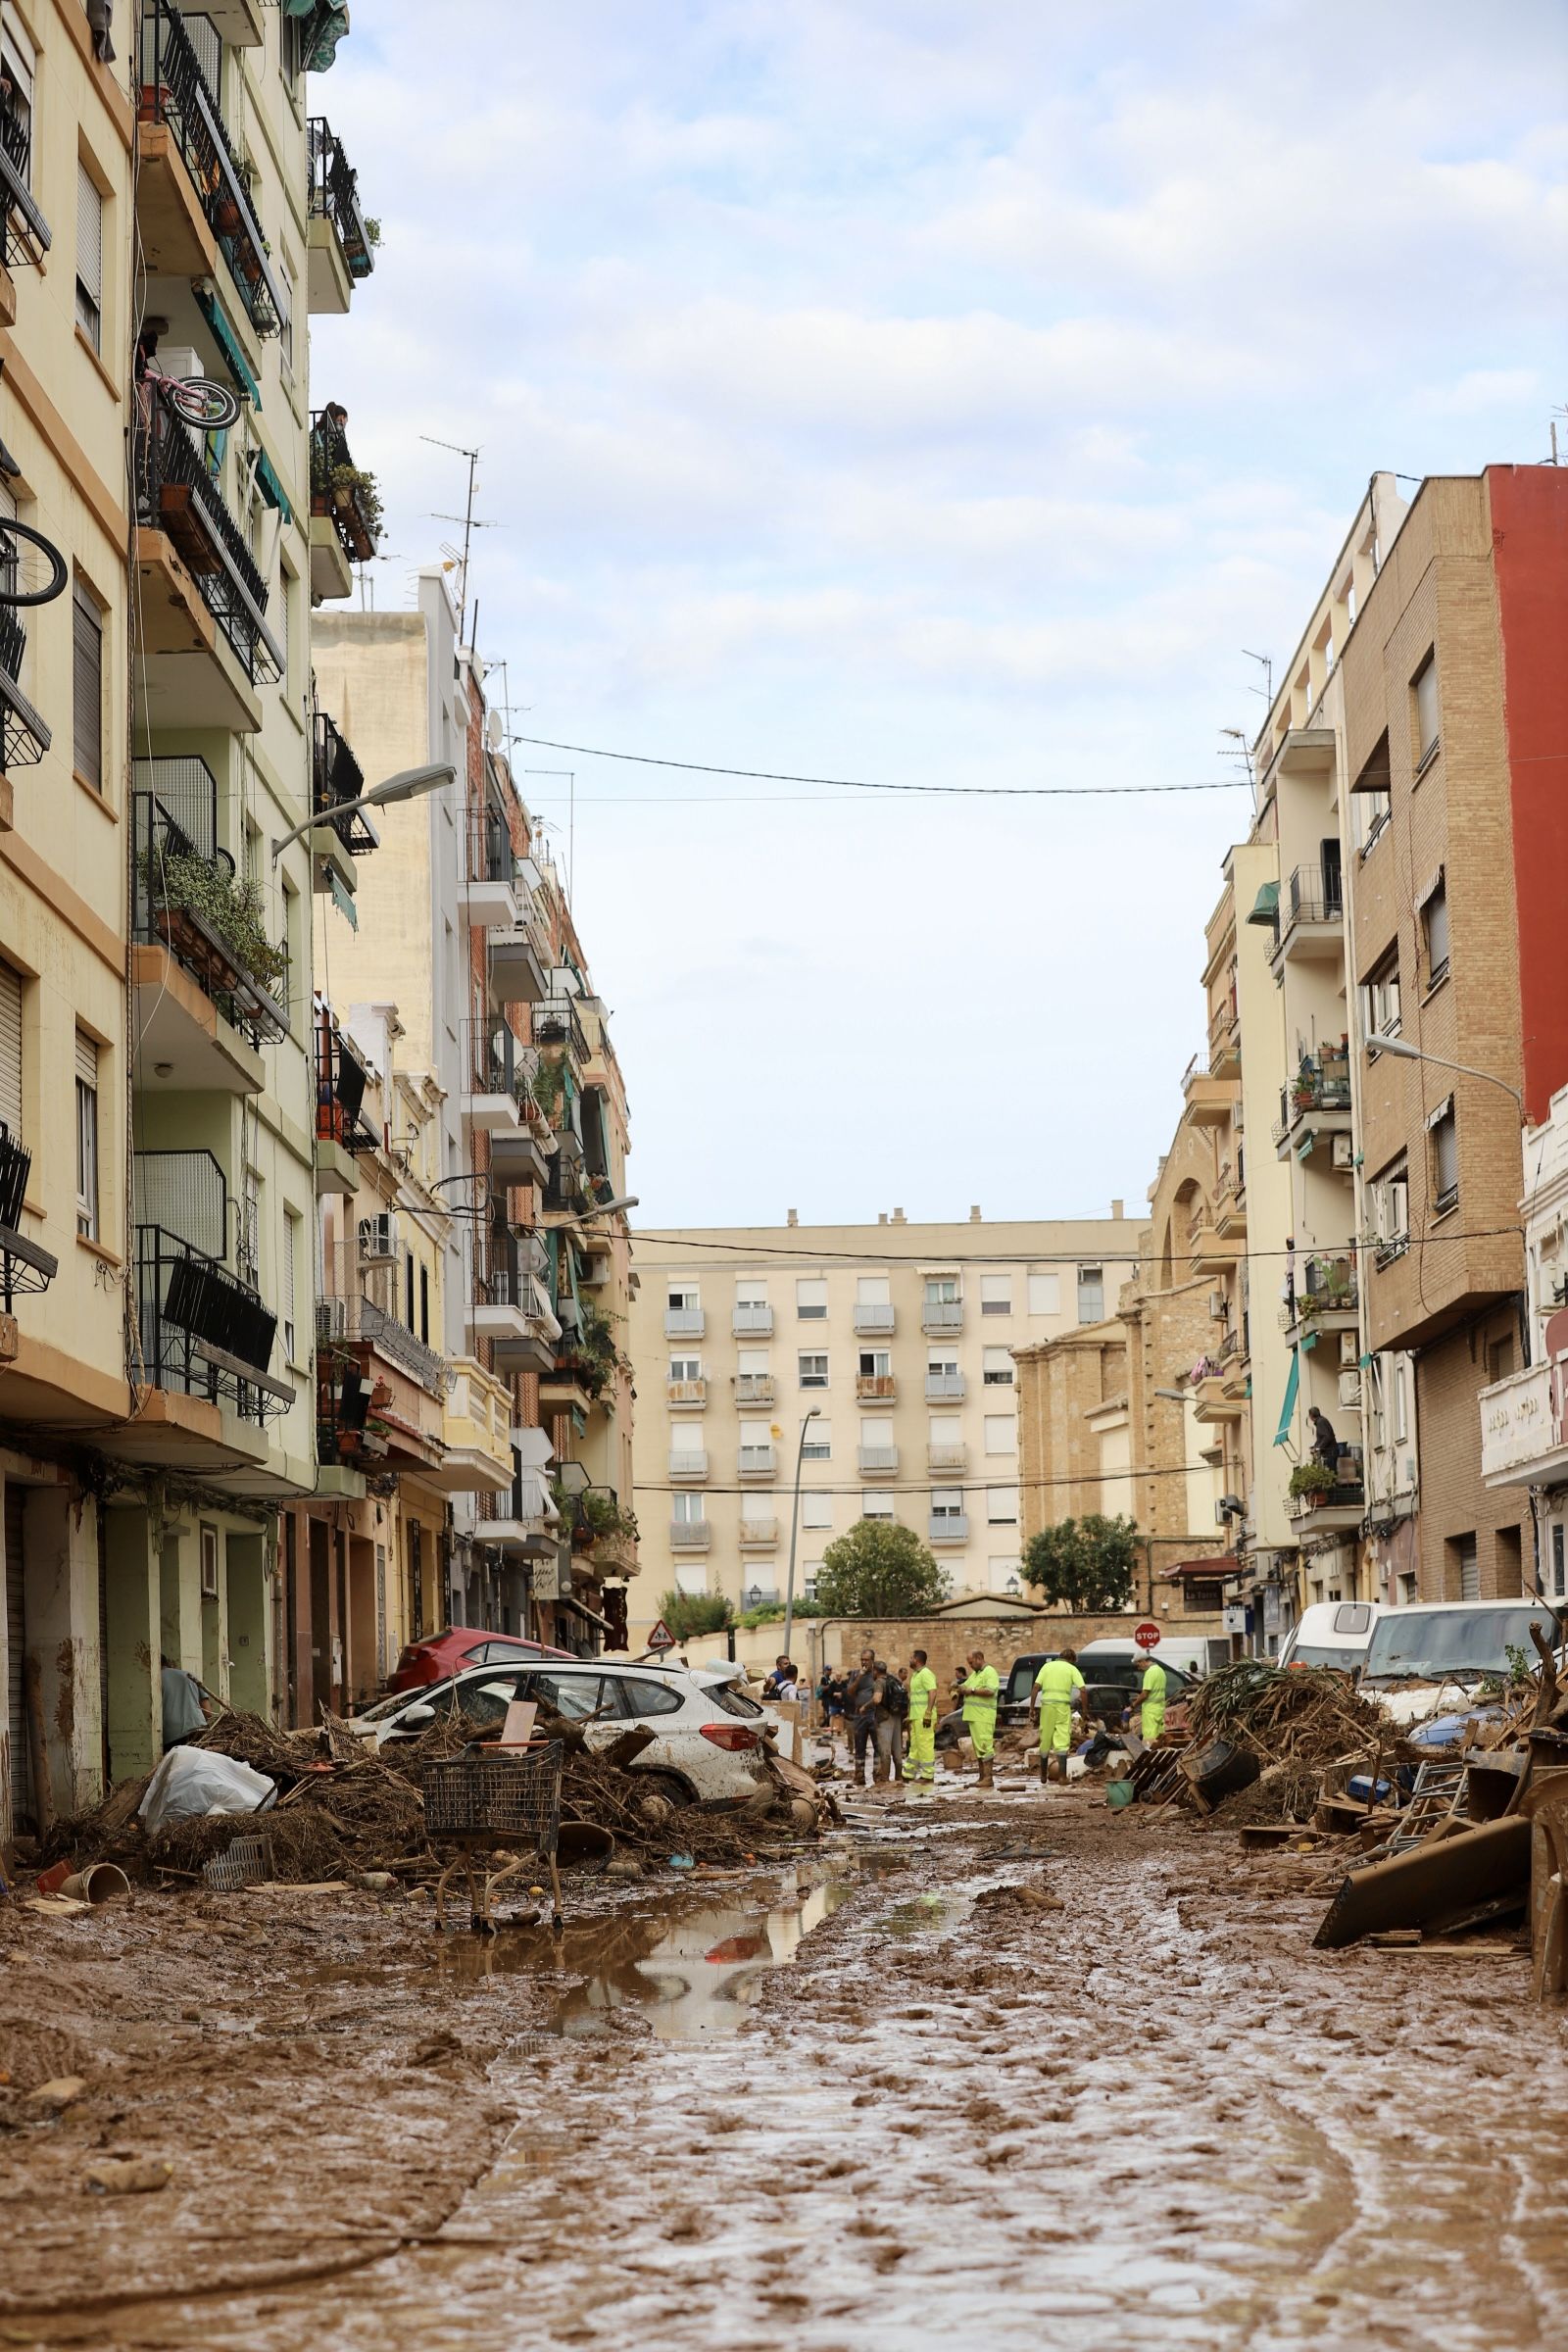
[930, 392]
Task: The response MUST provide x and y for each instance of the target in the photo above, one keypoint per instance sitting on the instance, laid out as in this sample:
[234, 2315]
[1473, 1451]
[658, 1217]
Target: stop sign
[1147, 1633]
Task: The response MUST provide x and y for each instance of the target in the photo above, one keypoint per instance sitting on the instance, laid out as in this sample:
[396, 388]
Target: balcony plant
[230, 911]
[1311, 1481]
[357, 497]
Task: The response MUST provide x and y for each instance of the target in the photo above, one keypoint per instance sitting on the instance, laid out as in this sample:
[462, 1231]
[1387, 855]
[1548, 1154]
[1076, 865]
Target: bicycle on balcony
[195, 398]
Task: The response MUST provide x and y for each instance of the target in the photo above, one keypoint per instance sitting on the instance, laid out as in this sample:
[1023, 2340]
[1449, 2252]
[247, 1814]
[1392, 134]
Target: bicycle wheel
[33, 570]
[201, 402]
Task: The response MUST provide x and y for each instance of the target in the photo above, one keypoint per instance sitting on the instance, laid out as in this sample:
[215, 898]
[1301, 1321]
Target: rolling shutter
[89, 257]
[87, 688]
[15, 1644]
[11, 1049]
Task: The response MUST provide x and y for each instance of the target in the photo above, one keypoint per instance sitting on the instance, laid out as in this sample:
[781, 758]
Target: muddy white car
[708, 1740]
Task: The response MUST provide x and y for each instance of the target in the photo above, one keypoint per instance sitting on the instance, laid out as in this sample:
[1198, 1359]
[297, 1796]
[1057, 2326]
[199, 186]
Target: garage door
[15, 1644]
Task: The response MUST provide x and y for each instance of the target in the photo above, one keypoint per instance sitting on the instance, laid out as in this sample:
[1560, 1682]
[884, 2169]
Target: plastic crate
[242, 1863]
[484, 1795]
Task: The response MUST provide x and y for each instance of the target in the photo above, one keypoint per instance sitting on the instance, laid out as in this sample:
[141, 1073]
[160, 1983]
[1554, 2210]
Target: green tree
[690, 1613]
[879, 1569]
[1086, 1563]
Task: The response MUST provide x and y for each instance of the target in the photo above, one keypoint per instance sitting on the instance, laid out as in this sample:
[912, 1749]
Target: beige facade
[897, 1339]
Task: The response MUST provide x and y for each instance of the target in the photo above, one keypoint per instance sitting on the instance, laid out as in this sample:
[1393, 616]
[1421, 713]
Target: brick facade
[948, 1640]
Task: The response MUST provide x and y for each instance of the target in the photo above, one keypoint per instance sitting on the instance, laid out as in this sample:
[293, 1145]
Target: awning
[583, 1611]
[272, 489]
[341, 900]
[1220, 1563]
[224, 335]
[1292, 1386]
[1266, 905]
[323, 24]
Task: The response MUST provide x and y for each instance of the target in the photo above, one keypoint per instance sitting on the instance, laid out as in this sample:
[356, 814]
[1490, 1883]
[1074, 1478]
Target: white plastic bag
[198, 1779]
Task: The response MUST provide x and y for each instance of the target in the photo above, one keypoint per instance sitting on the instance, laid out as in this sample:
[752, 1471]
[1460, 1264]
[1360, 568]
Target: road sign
[1147, 1633]
[661, 1638]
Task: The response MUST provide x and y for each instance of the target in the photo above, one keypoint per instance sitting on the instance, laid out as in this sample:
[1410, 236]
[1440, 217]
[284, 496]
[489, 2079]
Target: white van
[1332, 1632]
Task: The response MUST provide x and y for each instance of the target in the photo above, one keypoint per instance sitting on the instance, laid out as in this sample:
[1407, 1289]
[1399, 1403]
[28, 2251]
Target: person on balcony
[1325, 1444]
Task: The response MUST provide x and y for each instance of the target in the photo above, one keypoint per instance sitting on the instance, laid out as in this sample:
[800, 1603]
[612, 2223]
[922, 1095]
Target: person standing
[1151, 1700]
[1325, 1444]
[860, 1689]
[920, 1760]
[1059, 1694]
[978, 1693]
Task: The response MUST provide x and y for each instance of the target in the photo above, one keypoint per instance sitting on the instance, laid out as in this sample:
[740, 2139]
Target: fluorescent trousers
[1055, 1725]
[980, 1723]
[920, 1760]
[1152, 1720]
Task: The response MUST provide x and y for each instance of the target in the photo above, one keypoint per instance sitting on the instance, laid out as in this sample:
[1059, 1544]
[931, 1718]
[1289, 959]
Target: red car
[439, 1655]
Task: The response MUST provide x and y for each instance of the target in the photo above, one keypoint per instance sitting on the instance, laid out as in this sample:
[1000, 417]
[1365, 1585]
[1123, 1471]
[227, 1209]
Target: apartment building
[1453, 704]
[468, 930]
[883, 1355]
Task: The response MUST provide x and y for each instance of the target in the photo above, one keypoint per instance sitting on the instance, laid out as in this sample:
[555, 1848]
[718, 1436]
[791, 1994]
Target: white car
[709, 1739]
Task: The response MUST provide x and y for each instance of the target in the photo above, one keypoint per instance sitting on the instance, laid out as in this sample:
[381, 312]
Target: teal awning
[224, 335]
[341, 899]
[323, 24]
[1287, 1409]
[1266, 905]
[272, 489]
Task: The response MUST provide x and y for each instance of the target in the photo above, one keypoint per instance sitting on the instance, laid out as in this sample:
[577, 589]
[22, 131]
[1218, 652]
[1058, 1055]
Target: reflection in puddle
[923, 1917]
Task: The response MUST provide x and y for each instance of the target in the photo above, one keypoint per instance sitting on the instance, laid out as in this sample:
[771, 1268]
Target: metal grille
[175, 493]
[182, 98]
[186, 1194]
[335, 197]
[497, 1796]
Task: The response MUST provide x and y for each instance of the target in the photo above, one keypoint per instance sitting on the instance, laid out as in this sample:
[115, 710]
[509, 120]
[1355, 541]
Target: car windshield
[1313, 1653]
[427, 1694]
[1426, 1644]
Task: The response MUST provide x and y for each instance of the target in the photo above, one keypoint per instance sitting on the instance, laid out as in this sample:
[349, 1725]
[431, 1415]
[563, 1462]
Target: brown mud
[1032, 2063]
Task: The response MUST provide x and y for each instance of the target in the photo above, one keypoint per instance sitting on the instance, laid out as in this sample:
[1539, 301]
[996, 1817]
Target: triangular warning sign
[661, 1638]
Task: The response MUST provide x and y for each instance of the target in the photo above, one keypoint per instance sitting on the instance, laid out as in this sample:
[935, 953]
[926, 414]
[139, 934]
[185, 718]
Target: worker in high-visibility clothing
[977, 1693]
[920, 1756]
[1151, 1699]
[1058, 1695]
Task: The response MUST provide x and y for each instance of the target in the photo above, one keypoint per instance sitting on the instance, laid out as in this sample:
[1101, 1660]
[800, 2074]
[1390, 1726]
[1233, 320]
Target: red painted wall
[1529, 507]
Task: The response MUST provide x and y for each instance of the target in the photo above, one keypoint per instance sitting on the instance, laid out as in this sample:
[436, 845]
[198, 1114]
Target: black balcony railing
[23, 736]
[498, 1061]
[358, 1321]
[336, 780]
[341, 1079]
[502, 1276]
[340, 489]
[175, 494]
[490, 855]
[175, 92]
[335, 198]
[201, 1330]
[27, 235]
[23, 1265]
[1314, 894]
[556, 1023]
[1323, 1085]
[174, 827]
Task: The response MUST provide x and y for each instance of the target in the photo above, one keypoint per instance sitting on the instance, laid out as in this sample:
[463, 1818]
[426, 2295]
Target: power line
[768, 775]
[1112, 1255]
[953, 1486]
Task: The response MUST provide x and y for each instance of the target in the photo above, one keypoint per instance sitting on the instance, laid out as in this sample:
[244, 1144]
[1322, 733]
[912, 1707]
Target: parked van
[1431, 1642]
[1332, 1633]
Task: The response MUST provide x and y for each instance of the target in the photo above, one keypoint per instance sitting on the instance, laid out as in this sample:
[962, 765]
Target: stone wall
[947, 1641]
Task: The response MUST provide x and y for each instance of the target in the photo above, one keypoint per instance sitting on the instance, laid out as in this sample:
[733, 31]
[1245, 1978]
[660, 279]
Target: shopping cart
[487, 1798]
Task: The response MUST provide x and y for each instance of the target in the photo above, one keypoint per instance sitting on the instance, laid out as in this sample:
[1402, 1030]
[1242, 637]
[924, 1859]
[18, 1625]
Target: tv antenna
[465, 519]
[1243, 752]
[1265, 662]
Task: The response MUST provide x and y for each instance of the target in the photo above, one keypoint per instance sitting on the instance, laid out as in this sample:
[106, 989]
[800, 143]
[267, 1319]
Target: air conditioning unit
[378, 1240]
[1351, 1348]
[331, 1321]
[1216, 1306]
[1222, 1517]
[1343, 1153]
[1351, 1390]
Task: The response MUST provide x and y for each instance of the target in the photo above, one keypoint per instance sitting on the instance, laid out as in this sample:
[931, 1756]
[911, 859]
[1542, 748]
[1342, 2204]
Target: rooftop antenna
[465, 519]
[1243, 752]
[570, 775]
[1265, 662]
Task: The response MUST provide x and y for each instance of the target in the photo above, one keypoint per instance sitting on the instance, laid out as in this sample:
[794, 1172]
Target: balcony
[204, 642]
[341, 253]
[23, 736]
[942, 1315]
[1523, 1428]
[754, 1388]
[759, 1535]
[568, 1189]
[875, 1388]
[1225, 1037]
[476, 1433]
[690, 1467]
[878, 1461]
[753, 1322]
[498, 1102]
[683, 1323]
[1230, 1205]
[193, 197]
[202, 968]
[1338, 1509]
[685, 1395]
[1316, 1102]
[519, 958]
[509, 1312]
[1208, 1253]
[944, 1388]
[26, 235]
[573, 1382]
[948, 1526]
[1207, 1099]
[1213, 1400]
[690, 1534]
[758, 1461]
[342, 832]
[201, 1331]
[342, 1134]
[1326, 1295]
[1311, 917]
[521, 1517]
[490, 873]
[953, 1456]
[556, 1024]
[873, 1322]
[343, 497]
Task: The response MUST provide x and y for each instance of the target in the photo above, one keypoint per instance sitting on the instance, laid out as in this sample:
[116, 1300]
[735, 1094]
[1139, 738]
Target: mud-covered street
[1028, 2062]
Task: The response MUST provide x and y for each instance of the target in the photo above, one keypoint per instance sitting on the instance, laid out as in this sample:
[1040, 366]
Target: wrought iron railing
[1314, 894]
[497, 1063]
[341, 1079]
[177, 495]
[24, 735]
[556, 1023]
[201, 1330]
[23, 1265]
[175, 91]
[338, 487]
[20, 207]
[490, 855]
[358, 1321]
[336, 779]
[335, 198]
[158, 837]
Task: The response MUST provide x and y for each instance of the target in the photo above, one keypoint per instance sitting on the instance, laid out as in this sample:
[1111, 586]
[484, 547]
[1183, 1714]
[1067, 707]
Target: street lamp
[409, 784]
[1176, 1396]
[1404, 1051]
[815, 1414]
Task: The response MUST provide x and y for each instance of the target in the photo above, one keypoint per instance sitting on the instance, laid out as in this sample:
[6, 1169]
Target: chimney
[898, 1218]
[974, 1213]
[1118, 1209]
[881, 1216]
[792, 1216]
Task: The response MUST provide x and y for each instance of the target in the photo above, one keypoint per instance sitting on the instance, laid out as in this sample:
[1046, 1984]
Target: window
[1401, 1404]
[997, 1368]
[424, 1305]
[208, 1546]
[686, 1436]
[1424, 688]
[284, 277]
[18, 58]
[1434, 931]
[810, 1300]
[996, 1293]
[1044, 1293]
[685, 1367]
[291, 1232]
[10, 1049]
[1002, 1433]
[876, 1363]
[943, 1429]
[1091, 1295]
[874, 1290]
[686, 1510]
[1499, 1360]
[810, 1571]
[684, 1298]
[1391, 1210]
[813, 1371]
[818, 1446]
[875, 1505]
[942, 1290]
[816, 1510]
[652, 1698]
[1003, 1575]
[86, 1137]
[939, 1365]
[751, 1363]
[285, 622]
[1001, 1506]
[1380, 997]
[87, 687]
[1559, 1562]
[89, 257]
[1444, 1134]
[749, 1293]
[946, 1502]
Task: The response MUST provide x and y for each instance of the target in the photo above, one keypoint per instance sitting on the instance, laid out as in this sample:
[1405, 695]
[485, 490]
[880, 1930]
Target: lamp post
[815, 1414]
[1402, 1050]
[409, 784]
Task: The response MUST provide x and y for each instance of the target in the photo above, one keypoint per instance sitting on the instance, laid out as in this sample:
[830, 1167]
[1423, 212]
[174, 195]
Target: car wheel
[666, 1784]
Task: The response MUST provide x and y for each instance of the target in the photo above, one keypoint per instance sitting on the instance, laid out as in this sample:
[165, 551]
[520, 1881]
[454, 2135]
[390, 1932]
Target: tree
[689, 1613]
[879, 1569]
[1088, 1563]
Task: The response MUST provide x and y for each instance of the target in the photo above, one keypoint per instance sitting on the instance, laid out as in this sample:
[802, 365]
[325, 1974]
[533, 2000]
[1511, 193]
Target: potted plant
[1311, 1482]
[357, 498]
[201, 907]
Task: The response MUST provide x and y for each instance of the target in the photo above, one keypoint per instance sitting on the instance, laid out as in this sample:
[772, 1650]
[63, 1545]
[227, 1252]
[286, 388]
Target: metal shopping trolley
[488, 1797]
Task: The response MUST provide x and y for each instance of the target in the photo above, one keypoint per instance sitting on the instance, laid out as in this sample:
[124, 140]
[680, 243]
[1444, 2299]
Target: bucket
[97, 1883]
[583, 1844]
[1119, 1793]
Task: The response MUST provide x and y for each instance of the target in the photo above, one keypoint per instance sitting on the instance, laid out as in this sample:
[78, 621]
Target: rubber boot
[860, 1771]
[985, 1772]
[1045, 1769]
